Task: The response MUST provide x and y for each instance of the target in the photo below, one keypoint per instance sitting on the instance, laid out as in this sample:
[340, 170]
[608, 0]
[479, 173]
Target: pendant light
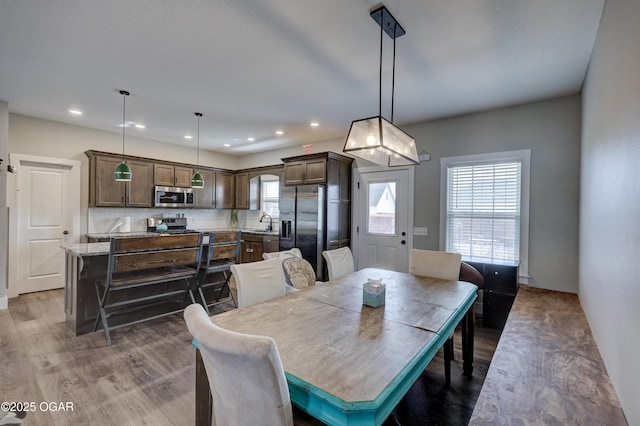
[197, 181]
[375, 139]
[123, 171]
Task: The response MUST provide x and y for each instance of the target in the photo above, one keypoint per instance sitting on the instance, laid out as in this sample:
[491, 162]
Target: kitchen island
[86, 262]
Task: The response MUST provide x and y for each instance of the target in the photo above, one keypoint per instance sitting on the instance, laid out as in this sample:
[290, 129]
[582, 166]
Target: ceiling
[252, 67]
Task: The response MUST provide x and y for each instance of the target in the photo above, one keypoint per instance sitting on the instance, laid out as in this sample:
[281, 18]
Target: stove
[168, 225]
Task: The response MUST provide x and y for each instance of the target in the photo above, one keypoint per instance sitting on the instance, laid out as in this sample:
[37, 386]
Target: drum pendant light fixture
[375, 139]
[197, 181]
[123, 171]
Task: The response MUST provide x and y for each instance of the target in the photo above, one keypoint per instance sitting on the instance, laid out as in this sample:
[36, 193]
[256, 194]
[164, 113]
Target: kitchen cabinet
[242, 190]
[170, 175]
[253, 245]
[105, 191]
[249, 183]
[310, 170]
[225, 190]
[500, 289]
[205, 198]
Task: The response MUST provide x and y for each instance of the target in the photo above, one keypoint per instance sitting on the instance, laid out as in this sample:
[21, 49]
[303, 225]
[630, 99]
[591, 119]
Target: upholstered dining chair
[442, 265]
[435, 264]
[285, 254]
[247, 380]
[259, 281]
[298, 273]
[339, 262]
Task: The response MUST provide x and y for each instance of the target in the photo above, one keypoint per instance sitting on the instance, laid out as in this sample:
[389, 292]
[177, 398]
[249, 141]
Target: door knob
[65, 232]
[403, 242]
[404, 233]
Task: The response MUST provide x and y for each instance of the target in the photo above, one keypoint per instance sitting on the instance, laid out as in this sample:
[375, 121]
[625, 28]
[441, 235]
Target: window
[269, 196]
[382, 208]
[485, 206]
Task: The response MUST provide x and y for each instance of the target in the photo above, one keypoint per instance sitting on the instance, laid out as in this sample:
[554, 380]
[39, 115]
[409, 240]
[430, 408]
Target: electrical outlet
[420, 231]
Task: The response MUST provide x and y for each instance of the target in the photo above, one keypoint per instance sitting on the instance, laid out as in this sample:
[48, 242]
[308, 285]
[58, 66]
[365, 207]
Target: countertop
[205, 231]
[97, 249]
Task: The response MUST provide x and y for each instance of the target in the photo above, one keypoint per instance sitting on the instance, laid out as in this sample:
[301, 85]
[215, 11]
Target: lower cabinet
[500, 289]
[253, 245]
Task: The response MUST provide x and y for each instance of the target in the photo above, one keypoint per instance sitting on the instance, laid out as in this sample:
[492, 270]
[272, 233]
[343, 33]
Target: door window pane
[381, 215]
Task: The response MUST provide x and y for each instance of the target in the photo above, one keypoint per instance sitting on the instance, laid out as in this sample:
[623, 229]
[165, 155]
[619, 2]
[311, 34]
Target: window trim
[523, 156]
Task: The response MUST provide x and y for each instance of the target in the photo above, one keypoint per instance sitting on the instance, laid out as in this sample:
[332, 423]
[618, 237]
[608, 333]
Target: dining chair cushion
[339, 262]
[298, 272]
[436, 264]
[259, 281]
[246, 377]
[285, 254]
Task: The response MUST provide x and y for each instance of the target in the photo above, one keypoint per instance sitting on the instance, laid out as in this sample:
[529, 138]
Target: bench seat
[547, 368]
[139, 262]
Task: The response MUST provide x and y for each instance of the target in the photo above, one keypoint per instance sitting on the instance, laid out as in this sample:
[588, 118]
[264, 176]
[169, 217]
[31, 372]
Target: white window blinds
[483, 210]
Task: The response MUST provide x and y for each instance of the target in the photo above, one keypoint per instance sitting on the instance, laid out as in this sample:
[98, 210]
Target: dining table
[348, 363]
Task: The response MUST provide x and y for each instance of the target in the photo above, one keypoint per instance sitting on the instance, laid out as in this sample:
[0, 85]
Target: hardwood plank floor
[148, 375]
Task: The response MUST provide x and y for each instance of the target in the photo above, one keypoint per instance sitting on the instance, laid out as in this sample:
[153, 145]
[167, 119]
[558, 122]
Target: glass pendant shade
[123, 172]
[377, 140]
[197, 181]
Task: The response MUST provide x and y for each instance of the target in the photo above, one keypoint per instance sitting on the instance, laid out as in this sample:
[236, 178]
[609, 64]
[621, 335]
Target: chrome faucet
[270, 227]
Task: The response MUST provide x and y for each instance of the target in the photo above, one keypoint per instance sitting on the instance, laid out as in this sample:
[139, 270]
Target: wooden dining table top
[348, 354]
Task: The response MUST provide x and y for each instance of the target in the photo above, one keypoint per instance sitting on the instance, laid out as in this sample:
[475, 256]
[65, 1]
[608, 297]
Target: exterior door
[384, 220]
[45, 219]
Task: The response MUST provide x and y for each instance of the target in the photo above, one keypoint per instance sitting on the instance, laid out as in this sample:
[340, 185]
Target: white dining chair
[259, 281]
[339, 262]
[435, 264]
[442, 265]
[285, 254]
[245, 373]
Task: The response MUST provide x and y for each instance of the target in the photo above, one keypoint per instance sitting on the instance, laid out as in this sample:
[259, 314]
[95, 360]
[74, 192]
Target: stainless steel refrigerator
[302, 216]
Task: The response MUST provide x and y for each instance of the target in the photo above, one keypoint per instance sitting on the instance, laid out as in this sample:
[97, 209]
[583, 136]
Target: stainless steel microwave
[166, 196]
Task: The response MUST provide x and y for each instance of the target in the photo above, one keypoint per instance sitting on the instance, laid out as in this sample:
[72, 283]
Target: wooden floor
[147, 375]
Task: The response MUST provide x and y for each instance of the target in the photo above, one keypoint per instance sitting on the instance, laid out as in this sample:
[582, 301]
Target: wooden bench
[135, 265]
[547, 368]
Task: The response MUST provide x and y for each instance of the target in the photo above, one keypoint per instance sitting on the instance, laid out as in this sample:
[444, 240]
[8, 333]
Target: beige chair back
[435, 264]
[339, 262]
[259, 281]
[285, 254]
[245, 373]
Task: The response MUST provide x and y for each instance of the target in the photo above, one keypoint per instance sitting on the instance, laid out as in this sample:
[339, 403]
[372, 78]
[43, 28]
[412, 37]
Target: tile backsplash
[101, 220]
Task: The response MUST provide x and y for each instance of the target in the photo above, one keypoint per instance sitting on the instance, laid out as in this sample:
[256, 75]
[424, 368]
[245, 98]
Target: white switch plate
[420, 231]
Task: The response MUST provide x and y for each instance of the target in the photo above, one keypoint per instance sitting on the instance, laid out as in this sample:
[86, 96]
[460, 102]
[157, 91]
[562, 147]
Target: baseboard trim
[4, 303]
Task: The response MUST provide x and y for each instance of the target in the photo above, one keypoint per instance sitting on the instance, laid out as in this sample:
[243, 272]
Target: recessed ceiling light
[141, 126]
[75, 111]
[251, 139]
[227, 145]
[314, 124]
[279, 132]
[188, 137]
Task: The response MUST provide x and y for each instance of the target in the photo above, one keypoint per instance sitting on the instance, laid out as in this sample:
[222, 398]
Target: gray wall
[551, 129]
[610, 199]
[4, 212]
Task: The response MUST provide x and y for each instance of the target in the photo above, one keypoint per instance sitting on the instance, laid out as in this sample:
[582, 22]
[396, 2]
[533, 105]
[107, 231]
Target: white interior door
[45, 219]
[384, 219]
